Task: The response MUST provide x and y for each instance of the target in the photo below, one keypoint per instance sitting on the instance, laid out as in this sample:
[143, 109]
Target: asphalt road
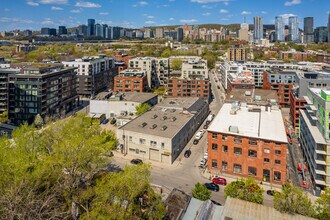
[184, 173]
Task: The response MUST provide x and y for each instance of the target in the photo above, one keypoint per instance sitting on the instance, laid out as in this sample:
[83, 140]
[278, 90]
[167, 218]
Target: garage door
[166, 159]
[154, 154]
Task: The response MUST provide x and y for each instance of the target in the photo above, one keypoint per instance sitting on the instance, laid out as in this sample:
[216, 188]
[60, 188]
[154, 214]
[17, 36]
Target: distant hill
[232, 27]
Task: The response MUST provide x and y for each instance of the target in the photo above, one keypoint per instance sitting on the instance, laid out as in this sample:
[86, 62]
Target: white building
[147, 64]
[95, 73]
[194, 69]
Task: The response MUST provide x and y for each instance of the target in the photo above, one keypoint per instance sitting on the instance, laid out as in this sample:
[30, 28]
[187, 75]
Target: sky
[34, 14]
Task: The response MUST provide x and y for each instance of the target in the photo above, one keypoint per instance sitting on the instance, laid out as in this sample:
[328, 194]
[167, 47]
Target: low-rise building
[294, 55]
[163, 70]
[95, 74]
[114, 104]
[131, 80]
[148, 65]
[240, 80]
[162, 133]
[323, 58]
[248, 141]
[314, 136]
[179, 87]
[50, 91]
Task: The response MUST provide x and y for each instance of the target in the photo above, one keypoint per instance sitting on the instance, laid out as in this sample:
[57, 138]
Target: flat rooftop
[125, 96]
[167, 118]
[257, 96]
[262, 124]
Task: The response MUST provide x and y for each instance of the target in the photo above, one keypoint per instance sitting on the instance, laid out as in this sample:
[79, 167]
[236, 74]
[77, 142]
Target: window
[224, 166]
[277, 161]
[266, 151]
[277, 176]
[252, 142]
[153, 143]
[238, 140]
[277, 144]
[214, 146]
[214, 135]
[266, 142]
[225, 148]
[130, 138]
[252, 153]
[252, 171]
[163, 145]
[277, 152]
[266, 160]
[237, 168]
[237, 150]
[142, 141]
[214, 164]
[224, 137]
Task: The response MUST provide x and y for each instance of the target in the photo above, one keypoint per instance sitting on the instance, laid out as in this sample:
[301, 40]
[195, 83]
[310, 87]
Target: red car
[219, 181]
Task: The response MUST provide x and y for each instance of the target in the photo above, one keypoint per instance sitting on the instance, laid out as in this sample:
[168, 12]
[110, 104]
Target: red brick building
[241, 80]
[248, 141]
[296, 104]
[323, 58]
[131, 80]
[179, 87]
[298, 56]
[122, 61]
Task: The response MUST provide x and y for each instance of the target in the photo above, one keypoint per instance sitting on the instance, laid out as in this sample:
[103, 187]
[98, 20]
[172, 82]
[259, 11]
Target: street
[184, 173]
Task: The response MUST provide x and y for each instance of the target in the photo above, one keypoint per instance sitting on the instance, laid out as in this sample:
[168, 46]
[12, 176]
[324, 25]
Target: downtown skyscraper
[308, 30]
[279, 28]
[294, 29]
[91, 27]
[258, 29]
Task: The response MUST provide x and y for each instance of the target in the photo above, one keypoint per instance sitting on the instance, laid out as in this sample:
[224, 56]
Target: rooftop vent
[164, 109]
[143, 124]
[254, 109]
[173, 118]
[172, 102]
[154, 116]
[153, 126]
[164, 128]
[163, 118]
[233, 129]
[173, 110]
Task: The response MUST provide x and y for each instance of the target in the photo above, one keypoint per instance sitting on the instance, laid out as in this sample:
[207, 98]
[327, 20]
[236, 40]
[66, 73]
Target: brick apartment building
[122, 61]
[323, 58]
[237, 53]
[131, 80]
[282, 82]
[248, 141]
[179, 87]
[298, 56]
[240, 80]
[296, 104]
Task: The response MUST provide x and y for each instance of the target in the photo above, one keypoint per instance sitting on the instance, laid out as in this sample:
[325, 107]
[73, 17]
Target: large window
[237, 150]
[238, 140]
[277, 176]
[214, 146]
[252, 153]
[214, 164]
[214, 135]
[224, 137]
[277, 152]
[277, 162]
[237, 168]
[142, 141]
[266, 151]
[224, 148]
[252, 171]
[252, 142]
[224, 166]
[266, 160]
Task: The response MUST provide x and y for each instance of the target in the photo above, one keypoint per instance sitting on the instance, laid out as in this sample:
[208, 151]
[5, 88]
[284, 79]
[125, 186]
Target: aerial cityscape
[168, 109]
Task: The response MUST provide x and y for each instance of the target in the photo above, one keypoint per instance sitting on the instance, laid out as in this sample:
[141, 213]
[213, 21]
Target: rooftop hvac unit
[233, 129]
[173, 118]
[154, 116]
[153, 126]
[164, 128]
[143, 124]
[163, 118]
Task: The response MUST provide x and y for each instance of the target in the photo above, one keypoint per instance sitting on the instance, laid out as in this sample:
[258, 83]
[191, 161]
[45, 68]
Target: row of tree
[290, 199]
[64, 171]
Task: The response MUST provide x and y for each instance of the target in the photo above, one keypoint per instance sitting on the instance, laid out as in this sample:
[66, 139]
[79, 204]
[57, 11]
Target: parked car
[136, 161]
[187, 153]
[195, 141]
[212, 186]
[219, 181]
[105, 121]
[271, 192]
[205, 126]
[218, 87]
[203, 162]
[199, 135]
[113, 121]
[206, 155]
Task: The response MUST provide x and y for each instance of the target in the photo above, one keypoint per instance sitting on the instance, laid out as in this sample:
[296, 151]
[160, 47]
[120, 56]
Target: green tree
[293, 200]
[245, 189]
[166, 53]
[38, 121]
[142, 108]
[176, 64]
[4, 117]
[322, 205]
[201, 192]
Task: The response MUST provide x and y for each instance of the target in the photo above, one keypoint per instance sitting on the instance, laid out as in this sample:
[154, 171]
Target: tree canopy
[201, 192]
[293, 200]
[245, 189]
[322, 205]
[142, 108]
[59, 172]
[176, 64]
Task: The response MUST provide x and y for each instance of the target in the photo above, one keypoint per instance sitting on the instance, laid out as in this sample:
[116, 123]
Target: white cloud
[263, 12]
[47, 21]
[75, 11]
[54, 8]
[292, 2]
[207, 6]
[149, 22]
[55, 2]
[87, 5]
[188, 20]
[245, 13]
[172, 19]
[208, 1]
[6, 9]
[15, 20]
[206, 14]
[103, 13]
[225, 19]
[226, 3]
[223, 11]
[32, 3]
[141, 3]
[148, 16]
[286, 17]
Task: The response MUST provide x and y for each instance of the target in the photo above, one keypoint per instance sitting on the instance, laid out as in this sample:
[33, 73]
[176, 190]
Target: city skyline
[34, 14]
